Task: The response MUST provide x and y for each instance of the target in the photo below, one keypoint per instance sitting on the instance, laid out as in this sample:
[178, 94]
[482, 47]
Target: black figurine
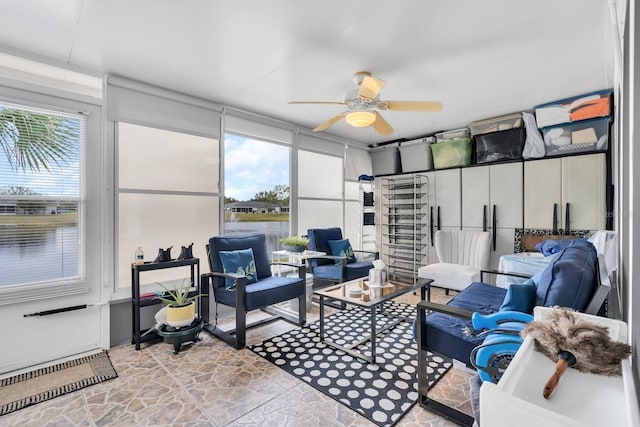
[186, 252]
[164, 255]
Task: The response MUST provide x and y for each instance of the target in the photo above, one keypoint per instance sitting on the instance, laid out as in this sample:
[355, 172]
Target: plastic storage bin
[583, 107]
[585, 136]
[415, 155]
[500, 146]
[385, 160]
[496, 124]
[450, 153]
[452, 134]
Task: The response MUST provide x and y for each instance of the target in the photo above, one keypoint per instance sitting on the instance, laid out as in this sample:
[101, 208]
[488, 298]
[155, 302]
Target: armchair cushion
[261, 293]
[450, 276]
[520, 297]
[342, 248]
[326, 268]
[448, 332]
[352, 271]
[570, 280]
[257, 243]
[240, 262]
[319, 241]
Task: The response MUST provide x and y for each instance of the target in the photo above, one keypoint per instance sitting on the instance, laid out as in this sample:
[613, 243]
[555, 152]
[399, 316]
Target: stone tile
[209, 383]
[291, 409]
[67, 410]
[453, 390]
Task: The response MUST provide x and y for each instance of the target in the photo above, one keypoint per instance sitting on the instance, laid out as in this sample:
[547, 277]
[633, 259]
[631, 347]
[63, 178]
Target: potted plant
[181, 307]
[294, 243]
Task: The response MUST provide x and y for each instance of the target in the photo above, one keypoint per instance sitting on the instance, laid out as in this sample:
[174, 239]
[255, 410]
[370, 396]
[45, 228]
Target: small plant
[294, 241]
[177, 297]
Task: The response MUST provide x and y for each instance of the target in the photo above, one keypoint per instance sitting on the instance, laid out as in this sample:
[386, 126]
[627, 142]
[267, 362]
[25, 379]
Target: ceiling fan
[360, 103]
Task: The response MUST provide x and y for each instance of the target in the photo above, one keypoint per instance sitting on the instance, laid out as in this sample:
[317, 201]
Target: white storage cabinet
[577, 182]
[493, 191]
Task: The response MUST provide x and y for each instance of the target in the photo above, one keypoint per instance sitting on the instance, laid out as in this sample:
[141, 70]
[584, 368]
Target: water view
[41, 257]
[274, 231]
[38, 255]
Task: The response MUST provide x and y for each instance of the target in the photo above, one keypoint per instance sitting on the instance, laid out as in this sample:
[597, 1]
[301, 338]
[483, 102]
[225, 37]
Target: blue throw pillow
[535, 278]
[239, 262]
[520, 297]
[342, 248]
[570, 279]
[553, 246]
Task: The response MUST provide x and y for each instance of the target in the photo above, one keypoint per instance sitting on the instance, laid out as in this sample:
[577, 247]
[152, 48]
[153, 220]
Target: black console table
[137, 303]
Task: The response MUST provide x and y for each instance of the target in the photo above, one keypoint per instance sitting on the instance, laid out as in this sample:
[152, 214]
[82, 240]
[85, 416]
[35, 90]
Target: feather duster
[577, 343]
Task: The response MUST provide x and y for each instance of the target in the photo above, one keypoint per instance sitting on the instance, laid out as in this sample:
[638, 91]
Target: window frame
[90, 219]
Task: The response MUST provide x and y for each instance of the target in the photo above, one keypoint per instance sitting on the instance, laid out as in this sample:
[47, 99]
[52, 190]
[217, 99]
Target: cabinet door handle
[555, 218]
[438, 217]
[431, 224]
[494, 223]
[484, 217]
[567, 220]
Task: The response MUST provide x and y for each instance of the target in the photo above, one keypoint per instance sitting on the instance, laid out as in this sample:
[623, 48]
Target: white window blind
[42, 201]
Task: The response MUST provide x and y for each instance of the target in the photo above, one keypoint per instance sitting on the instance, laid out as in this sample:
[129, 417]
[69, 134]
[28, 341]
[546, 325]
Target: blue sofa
[571, 279]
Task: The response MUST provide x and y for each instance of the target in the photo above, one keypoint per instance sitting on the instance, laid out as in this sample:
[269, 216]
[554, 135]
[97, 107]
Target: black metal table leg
[373, 334]
[321, 317]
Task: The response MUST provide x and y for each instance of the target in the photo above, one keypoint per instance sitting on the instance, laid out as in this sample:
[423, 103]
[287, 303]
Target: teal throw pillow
[342, 248]
[239, 262]
[520, 297]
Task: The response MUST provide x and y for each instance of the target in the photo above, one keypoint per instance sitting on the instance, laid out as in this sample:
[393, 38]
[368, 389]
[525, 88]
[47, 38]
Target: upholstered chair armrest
[334, 257]
[367, 254]
[427, 306]
[240, 280]
[343, 260]
[503, 273]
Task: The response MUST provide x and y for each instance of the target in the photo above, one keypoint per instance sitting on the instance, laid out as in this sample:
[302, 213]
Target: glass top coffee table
[358, 292]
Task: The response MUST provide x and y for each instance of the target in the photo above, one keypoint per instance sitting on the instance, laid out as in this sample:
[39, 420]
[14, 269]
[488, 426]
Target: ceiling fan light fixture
[360, 119]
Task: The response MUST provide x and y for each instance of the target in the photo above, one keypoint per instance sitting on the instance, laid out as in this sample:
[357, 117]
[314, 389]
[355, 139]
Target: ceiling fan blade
[382, 126]
[329, 122]
[370, 87]
[318, 102]
[410, 105]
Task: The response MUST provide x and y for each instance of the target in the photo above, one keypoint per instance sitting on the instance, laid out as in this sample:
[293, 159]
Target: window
[167, 196]
[256, 188]
[320, 183]
[42, 200]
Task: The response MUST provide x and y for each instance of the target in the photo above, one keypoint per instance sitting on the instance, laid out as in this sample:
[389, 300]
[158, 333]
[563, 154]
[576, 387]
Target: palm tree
[33, 140]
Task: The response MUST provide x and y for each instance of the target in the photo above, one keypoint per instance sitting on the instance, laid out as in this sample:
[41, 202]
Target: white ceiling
[479, 58]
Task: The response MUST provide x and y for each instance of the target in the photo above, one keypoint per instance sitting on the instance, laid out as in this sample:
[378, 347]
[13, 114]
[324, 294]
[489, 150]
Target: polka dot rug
[382, 392]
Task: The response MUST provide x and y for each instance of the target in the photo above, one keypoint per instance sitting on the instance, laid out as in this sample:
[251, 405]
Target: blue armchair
[334, 267]
[241, 278]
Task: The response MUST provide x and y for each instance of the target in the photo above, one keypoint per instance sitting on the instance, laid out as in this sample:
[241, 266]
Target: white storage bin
[415, 155]
[452, 134]
[569, 110]
[496, 124]
[578, 137]
[385, 160]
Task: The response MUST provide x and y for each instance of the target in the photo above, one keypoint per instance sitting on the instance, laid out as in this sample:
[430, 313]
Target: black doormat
[382, 392]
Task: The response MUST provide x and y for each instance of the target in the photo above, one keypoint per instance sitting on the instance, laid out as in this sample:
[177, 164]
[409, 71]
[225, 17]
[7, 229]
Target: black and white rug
[382, 392]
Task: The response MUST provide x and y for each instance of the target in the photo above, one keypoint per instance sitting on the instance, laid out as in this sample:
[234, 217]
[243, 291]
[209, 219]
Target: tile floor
[211, 384]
